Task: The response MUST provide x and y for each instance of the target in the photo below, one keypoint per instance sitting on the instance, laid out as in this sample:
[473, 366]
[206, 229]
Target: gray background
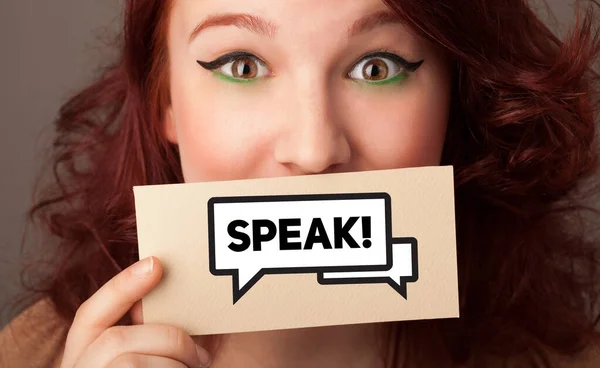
[50, 49]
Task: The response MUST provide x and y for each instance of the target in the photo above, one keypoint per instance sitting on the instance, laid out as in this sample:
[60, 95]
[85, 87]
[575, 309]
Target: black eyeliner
[219, 62]
[410, 66]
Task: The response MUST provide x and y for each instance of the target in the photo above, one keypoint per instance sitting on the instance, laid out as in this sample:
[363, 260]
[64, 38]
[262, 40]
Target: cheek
[222, 135]
[404, 130]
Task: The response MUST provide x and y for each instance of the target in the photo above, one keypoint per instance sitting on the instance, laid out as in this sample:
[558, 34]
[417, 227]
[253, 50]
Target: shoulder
[35, 338]
[588, 358]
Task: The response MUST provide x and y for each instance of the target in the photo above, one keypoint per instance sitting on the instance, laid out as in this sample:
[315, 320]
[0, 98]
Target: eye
[238, 65]
[245, 68]
[375, 69]
[381, 66]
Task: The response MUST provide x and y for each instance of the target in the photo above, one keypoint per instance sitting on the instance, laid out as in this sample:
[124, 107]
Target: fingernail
[143, 268]
[204, 357]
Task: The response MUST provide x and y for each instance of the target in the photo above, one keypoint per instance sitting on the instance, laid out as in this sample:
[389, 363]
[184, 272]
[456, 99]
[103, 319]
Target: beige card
[301, 251]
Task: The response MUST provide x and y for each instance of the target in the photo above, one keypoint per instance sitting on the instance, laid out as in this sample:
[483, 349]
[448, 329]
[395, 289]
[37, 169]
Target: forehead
[290, 18]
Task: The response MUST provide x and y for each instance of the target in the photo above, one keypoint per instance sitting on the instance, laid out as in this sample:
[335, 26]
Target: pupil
[374, 70]
[246, 69]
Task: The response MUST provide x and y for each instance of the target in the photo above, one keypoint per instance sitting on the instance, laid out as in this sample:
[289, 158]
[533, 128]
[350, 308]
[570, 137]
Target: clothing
[36, 339]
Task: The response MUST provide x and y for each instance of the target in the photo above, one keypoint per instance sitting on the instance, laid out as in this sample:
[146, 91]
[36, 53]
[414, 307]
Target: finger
[103, 309]
[139, 360]
[136, 313]
[152, 339]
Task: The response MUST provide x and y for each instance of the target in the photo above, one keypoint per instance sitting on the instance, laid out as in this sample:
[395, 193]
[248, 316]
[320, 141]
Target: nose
[312, 138]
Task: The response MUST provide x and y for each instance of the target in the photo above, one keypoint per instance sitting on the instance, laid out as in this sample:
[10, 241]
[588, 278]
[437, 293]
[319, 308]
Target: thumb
[136, 313]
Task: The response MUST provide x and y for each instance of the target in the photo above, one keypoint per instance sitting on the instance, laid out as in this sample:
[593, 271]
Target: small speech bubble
[344, 238]
[404, 269]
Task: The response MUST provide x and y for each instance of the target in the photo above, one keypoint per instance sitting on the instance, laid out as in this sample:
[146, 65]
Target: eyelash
[239, 55]
[408, 66]
[227, 58]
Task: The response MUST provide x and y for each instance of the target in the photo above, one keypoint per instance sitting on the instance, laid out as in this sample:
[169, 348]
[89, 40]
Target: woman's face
[263, 88]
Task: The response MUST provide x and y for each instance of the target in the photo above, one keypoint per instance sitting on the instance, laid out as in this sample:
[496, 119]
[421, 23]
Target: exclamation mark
[366, 229]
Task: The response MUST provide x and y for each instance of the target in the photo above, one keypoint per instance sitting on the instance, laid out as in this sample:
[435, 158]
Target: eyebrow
[263, 27]
[372, 21]
[241, 20]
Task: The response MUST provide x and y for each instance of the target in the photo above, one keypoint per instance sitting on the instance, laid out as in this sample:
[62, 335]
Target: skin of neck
[347, 346]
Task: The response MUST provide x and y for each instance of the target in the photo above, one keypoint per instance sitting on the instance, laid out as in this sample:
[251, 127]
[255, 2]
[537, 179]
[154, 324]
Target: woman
[219, 90]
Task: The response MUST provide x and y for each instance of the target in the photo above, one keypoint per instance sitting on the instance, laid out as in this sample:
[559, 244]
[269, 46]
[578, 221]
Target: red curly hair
[522, 138]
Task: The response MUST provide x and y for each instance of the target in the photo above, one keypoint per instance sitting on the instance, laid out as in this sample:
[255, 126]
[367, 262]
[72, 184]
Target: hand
[93, 340]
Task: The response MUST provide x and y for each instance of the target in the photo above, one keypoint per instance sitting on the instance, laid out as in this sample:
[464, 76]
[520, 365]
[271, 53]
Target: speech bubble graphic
[344, 238]
[404, 269]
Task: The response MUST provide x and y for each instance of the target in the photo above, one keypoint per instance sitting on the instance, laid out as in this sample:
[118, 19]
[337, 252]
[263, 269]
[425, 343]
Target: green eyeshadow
[229, 79]
[396, 79]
